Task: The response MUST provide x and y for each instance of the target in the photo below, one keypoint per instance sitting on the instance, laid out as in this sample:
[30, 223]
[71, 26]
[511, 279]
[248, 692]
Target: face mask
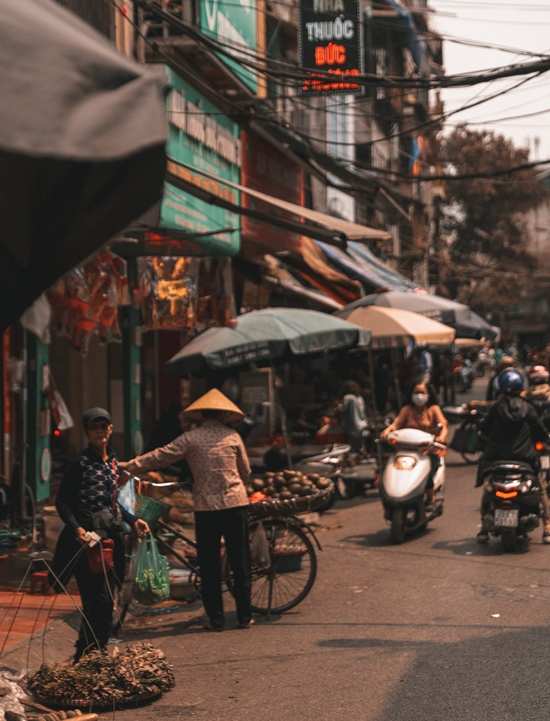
[420, 399]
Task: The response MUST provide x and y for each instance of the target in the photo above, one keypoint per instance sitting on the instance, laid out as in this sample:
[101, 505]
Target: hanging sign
[330, 42]
[233, 25]
[201, 138]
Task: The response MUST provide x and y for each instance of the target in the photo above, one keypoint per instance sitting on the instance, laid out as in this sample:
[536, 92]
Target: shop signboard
[330, 42]
[232, 24]
[201, 138]
[268, 171]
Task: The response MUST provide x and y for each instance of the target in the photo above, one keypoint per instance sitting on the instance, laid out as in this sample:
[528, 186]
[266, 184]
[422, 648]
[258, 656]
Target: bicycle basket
[466, 439]
[277, 508]
[150, 510]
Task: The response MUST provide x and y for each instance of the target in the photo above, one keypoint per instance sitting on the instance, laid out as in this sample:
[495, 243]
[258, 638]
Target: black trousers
[210, 526]
[96, 589]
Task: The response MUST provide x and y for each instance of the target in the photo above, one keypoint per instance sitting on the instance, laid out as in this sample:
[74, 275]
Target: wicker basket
[275, 508]
[150, 510]
[87, 705]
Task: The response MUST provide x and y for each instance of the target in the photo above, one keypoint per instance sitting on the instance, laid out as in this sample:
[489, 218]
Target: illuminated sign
[330, 42]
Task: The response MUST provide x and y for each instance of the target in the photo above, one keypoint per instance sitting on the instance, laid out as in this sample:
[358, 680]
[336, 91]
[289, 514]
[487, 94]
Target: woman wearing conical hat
[220, 468]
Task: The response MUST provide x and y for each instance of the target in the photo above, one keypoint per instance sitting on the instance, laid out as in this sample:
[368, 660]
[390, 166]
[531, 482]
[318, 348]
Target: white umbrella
[394, 328]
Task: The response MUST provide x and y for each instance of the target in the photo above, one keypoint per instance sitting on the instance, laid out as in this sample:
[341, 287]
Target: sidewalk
[23, 614]
[28, 622]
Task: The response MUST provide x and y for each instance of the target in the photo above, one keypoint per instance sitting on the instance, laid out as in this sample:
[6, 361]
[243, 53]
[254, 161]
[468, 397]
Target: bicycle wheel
[291, 573]
[471, 456]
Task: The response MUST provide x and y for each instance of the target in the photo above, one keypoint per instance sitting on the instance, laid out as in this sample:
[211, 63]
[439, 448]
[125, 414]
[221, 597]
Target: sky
[520, 26]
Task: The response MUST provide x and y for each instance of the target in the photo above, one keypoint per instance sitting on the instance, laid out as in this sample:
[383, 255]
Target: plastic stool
[40, 578]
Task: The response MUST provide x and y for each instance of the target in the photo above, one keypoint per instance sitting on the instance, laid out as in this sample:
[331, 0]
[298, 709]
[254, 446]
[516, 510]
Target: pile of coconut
[286, 484]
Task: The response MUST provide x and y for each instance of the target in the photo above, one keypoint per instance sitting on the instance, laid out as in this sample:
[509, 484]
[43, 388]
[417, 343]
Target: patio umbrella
[82, 135]
[456, 315]
[393, 328]
[265, 335]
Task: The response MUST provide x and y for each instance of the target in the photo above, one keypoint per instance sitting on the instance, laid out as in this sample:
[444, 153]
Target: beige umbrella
[394, 328]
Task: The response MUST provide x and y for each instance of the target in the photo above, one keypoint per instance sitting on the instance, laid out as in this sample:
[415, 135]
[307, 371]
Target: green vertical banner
[39, 460]
[131, 385]
[233, 25]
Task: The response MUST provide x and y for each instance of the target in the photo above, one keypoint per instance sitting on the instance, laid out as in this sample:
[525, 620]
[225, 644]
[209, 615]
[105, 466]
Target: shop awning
[82, 136]
[360, 253]
[318, 225]
[366, 275]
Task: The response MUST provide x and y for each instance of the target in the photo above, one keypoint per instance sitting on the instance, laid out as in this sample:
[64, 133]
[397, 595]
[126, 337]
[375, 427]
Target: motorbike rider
[512, 428]
[492, 386]
[425, 415]
[538, 393]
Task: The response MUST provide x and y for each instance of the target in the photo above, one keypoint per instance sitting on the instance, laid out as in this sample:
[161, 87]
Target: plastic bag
[127, 496]
[10, 702]
[259, 548]
[151, 584]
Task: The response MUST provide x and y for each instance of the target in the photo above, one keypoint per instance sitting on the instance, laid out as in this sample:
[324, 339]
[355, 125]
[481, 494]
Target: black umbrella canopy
[265, 335]
[82, 137]
[456, 315]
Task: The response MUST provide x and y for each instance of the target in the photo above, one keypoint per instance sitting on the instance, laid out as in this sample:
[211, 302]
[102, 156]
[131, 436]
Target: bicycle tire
[275, 590]
[470, 457]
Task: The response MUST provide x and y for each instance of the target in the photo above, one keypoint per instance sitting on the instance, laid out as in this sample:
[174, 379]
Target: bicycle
[468, 439]
[281, 585]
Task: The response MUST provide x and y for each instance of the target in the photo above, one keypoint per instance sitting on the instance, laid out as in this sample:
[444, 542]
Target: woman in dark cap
[87, 501]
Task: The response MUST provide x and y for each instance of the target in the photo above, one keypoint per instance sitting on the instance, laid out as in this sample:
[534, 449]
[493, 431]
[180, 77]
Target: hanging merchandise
[180, 293]
[85, 300]
[60, 412]
[216, 305]
[151, 584]
[168, 291]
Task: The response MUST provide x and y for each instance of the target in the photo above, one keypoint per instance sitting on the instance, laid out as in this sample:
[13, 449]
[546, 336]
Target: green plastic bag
[151, 584]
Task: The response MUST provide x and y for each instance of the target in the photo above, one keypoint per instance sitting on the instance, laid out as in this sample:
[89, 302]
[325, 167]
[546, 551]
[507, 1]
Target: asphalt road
[438, 628]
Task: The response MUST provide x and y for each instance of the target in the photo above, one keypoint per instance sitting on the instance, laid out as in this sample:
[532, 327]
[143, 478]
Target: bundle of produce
[101, 680]
[288, 492]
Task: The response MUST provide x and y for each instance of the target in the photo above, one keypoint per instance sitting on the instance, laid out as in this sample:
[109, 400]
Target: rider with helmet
[538, 393]
[539, 389]
[512, 428]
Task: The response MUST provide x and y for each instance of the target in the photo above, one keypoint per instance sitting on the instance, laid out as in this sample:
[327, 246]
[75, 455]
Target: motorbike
[334, 463]
[464, 375]
[511, 500]
[404, 480]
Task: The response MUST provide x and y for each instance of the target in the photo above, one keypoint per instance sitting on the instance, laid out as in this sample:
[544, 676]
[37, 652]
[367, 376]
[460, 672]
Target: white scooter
[403, 482]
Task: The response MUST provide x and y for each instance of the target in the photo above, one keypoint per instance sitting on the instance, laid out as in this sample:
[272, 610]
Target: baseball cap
[95, 414]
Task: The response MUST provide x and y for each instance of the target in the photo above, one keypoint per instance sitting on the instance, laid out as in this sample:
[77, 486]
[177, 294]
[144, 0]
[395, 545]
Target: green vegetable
[151, 584]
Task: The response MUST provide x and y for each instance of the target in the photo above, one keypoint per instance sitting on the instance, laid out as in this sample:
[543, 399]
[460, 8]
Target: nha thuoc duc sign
[330, 42]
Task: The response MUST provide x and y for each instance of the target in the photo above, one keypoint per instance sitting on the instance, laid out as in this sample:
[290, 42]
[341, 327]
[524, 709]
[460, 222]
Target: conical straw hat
[214, 400]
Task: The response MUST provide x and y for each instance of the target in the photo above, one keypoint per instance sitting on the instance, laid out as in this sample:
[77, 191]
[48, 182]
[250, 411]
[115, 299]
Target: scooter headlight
[404, 463]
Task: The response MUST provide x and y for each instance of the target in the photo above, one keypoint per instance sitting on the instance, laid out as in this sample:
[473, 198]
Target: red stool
[40, 578]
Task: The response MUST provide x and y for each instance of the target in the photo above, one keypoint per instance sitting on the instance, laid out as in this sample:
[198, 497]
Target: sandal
[209, 627]
[247, 624]
[546, 537]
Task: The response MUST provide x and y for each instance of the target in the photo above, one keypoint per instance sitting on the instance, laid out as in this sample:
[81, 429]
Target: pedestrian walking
[353, 414]
[87, 501]
[219, 464]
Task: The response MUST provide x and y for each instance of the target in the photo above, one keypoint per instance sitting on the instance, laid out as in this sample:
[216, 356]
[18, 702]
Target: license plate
[506, 519]
[545, 462]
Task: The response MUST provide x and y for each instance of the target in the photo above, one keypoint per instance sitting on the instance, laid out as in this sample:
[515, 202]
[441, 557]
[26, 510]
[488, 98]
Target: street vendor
[86, 502]
[219, 464]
